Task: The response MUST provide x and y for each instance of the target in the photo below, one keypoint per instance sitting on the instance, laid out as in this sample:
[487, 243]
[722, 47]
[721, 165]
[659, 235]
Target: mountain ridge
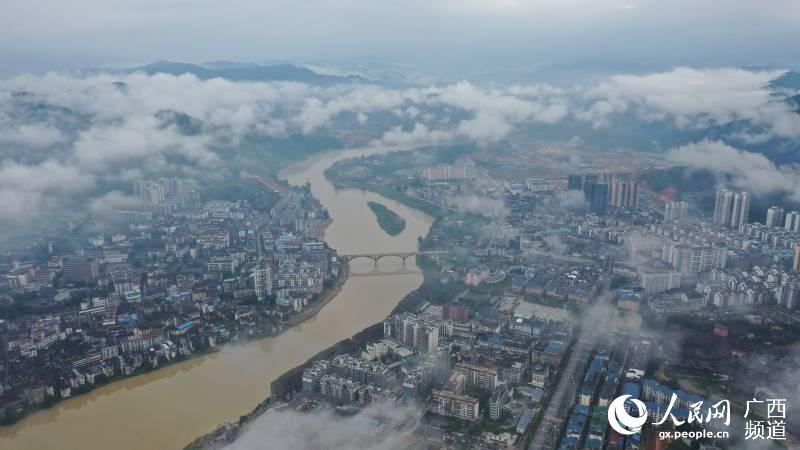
[248, 72]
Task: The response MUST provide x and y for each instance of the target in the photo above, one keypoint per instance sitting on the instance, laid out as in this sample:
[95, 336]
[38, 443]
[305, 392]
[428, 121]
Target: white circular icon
[622, 422]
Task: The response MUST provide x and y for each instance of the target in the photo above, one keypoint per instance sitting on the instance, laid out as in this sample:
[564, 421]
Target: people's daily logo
[621, 421]
[766, 419]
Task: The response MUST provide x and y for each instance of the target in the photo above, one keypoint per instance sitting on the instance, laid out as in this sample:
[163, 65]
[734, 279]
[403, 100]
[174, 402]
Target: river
[168, 408]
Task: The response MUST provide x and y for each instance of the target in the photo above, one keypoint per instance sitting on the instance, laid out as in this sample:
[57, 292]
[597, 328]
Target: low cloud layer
[376, 427]
[64, 136]
[746, 170]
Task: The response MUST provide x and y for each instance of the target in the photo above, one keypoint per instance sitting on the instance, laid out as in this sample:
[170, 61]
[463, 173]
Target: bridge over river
[402, 255]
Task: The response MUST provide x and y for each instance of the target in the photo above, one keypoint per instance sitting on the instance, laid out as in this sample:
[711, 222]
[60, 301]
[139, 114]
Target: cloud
[376, 427]
[485, 206]
[36, 136]
[572, 199]
[26, 189]
[692, 98]
[137, 138]
[751, 171]
[685, 93]
[108, 204]
[108, 128]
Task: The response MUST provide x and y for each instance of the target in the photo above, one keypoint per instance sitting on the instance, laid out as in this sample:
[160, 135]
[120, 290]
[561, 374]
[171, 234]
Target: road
[547, 432]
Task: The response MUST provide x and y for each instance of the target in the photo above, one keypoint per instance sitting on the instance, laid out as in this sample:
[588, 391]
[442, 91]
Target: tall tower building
[618, 194]
[796, 262]
[723, 206]
[774, 217]
[741, 210]
[575, 182]
[633, 194]
[674, 211]
[263, 283]
[597, 196]
[790, 220]
[731, 209]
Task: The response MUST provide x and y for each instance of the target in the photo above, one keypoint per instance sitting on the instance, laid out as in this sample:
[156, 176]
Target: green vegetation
[390, 221]
[393, 193]
[261, 154]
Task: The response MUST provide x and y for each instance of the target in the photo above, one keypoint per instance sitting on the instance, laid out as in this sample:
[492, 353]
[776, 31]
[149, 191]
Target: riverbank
[197, 395]
[324, 297]
[290, 381]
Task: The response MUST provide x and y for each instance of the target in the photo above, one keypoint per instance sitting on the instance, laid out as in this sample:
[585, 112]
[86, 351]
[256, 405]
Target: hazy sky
[440, 36]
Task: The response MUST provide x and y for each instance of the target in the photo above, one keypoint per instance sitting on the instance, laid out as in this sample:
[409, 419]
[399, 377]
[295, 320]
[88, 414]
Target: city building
[686, 258]
[478, 376]
[456, 312]
[654, 282]
[79, 269]
[774, 217]
[446, 403]
[792, 221]
[574, 182]
[741, 210]
[796, 260]
[731, 209]
[675, 211]
[262, 278]
[623, 194]
[416, 332]
[723, 204]
[596, 195]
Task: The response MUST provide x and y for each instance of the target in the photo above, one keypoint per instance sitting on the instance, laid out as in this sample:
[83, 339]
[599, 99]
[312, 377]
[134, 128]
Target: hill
[248, 72]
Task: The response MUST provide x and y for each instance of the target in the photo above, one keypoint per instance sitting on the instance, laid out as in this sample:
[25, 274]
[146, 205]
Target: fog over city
[441, 224]
[100, 129]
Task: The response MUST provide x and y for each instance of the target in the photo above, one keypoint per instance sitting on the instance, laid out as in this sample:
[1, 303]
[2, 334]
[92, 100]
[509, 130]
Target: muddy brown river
[168, 408]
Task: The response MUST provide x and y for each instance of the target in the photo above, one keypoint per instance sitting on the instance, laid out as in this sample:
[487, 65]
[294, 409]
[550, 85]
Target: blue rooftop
[631, 389]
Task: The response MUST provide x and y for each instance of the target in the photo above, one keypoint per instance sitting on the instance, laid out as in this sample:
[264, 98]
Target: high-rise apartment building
[623, 194]
[674, 211]
[731, 209]
[741, 210]
[723, 206]
[574, 182]
[654, 282]
[596, 195]
[792, 221]
[416, 332]
[263, 282]
[774, 217]
[694, 258]
[796, 262]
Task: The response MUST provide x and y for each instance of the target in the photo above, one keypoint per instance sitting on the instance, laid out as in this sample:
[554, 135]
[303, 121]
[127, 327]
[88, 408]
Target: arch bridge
[375, 257]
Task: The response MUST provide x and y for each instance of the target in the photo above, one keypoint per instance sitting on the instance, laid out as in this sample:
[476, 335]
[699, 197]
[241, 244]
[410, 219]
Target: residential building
[446, 403]
[774, 217]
